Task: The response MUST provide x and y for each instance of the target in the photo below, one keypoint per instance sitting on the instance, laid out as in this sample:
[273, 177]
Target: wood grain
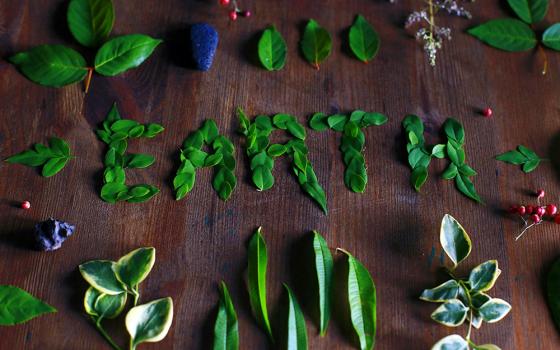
[202, 240]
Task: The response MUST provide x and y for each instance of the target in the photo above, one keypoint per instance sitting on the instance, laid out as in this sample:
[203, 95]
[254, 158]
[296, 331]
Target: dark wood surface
[202, 240]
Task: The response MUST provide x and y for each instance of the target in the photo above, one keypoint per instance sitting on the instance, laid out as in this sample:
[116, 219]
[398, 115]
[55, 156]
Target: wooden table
[202, 240]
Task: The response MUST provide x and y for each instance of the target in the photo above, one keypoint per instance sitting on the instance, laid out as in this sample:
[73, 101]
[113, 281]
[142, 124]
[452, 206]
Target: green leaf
[451, 342]
[226, 333]
[551, 37]
[418, 177]
[257, 261]
[465, 186]
[531, 165]
[363, 39]
[149, 322]
[450, 172]
[276, 150]
[373, 118]
[29, 158]
[51, 65]
[53, 166]
[494, 310]
[123, 53]
[138, 161]
[443, 292]
[152, 129]
[296, 339]
[103, 305]
[324, 270]
[134, 267]
[454, 239]
[18, 306]
[59, 146]
[337, 121]
[100, 274]
[111, 191]
[272, 49]
[141, 193]
[530, 11]
[553, 291]
[506, 34]
[451, 314]
[316, 43]
[512, 157]
[362, 302]
[318, 122]
[90, 21]
[454, 130]
[438, 151]
[483, 277]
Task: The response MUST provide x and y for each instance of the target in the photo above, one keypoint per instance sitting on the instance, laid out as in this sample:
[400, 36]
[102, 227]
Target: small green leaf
[51, 65]
[18, 306]
[443, 292]
[318, 122]
[451, 314]
[256, 269]
[362, 302]
[141, 193]
[553, 291]
[29, 158]
[551, 37]
[226, 333]
[438, 151]
[483, 277]
[272, 49]
[454, 239]
[152, 129]
[134, 267]
[450, 172]
[465, 186]
[418, 177]
[123, 53]
[316, 43]
[276, 150]
[296, 339]
[103, 305]
[506, 34]
[451, 342]
[90, 21]
[454, 130]
[59, 146]
[149, 322]
[111, 191]
[100, 274]
[494, 310]
[138, 161]
[53, 166]
[530, 11]
[531, 165]
[363, 39]
[324, 270]
[512, 157]
[337, 121]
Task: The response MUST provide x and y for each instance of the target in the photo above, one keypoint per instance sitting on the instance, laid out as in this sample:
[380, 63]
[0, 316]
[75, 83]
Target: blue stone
[50, 234]
[204, 41]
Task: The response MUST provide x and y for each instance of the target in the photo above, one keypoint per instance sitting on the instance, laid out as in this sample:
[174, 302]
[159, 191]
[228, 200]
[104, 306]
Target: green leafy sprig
[514, 35]
[352, 143]
[272, 49]
[363, 39]
[226, 332]
[18, 306]
[52, 158]
[316, 43]
[464, 299]
[110, 284]
[193, 157]
[523, 156]
[262, 154]
[115, 133]
[90, 22]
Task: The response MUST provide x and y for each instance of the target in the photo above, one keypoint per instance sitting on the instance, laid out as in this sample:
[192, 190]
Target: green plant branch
[101, 330]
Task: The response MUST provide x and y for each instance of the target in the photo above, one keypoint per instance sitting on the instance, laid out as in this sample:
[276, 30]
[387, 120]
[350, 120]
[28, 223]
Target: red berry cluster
[235, 11]
[535, 214]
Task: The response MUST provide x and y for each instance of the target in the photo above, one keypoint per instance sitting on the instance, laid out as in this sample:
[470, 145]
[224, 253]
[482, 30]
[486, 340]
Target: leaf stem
[104, 334]
[135, 294]
[468, 337]
[88, 79]
[545, 59]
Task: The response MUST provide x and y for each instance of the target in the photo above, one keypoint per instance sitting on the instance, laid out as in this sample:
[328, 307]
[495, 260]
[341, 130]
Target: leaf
[443, 292]
[438, 151]
[256, 271]
[530, 11]
[531, 165]
[363, 39]
[450, 172]
[506, 34]
[483, 276]
[451, 342]
[454, 130]
[296, 338]
[465, 186]
[316, 43]
[90, 21]
[362, 302]
[138, 161]
[59, 146]
[18, 306]
[337, 121]
[100, 275]
[226, 333]
[123, 53]
[141, 193]
[454, 239]
[51, 65]
[149, 322]
[103, 305]
[111, 191]
[324, 270]
[494, 310]
[29, 158]
[318, 122]
[551, 37]
[418, 177]
[451, 314]
[134, 267]
[512, 157]
[272, 49]
[53, 166]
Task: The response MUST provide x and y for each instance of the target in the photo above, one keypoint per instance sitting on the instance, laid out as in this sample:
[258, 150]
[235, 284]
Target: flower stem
[88, 79]
[104, 334]
[545, 59]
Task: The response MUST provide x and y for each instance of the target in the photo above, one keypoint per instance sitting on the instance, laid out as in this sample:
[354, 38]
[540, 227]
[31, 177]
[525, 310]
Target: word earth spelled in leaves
[464, 298]
[90, 22]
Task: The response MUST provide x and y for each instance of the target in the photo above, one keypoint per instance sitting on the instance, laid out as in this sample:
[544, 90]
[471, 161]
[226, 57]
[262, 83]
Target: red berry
[224, 2]
[540, 211]
[487, 112]
[551, 209]
[245, 13]
[557, 219]
[233, 15]
[540, 193]
[529, 209]
[521, 210]
[535, 218]
[25, 205]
